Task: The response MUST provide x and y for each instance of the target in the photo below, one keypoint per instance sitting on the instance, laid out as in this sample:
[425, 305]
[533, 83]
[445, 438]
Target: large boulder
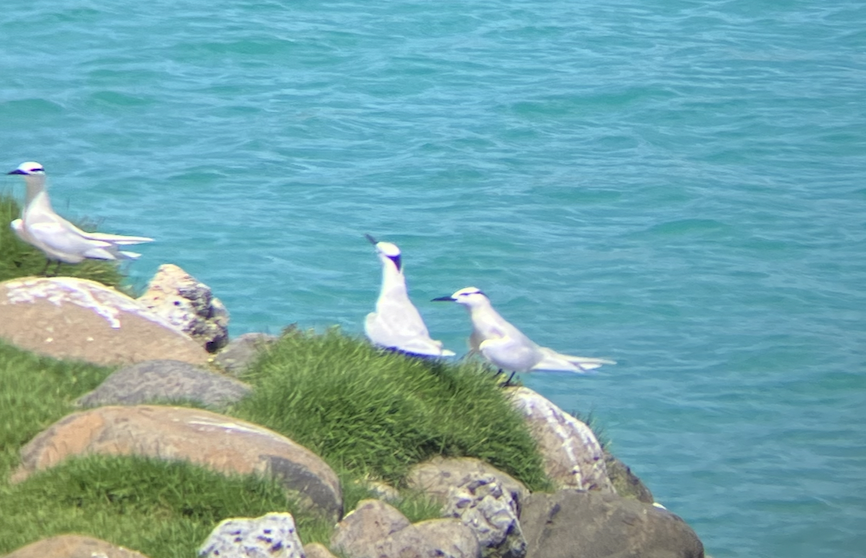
[165, 380]
[438, 475]
[70, 318]
[572, 456]
[271, 536]
[188, 305]
[377, 530]
[176, 433]
[73, 546]
[575, 524]
[491, 513]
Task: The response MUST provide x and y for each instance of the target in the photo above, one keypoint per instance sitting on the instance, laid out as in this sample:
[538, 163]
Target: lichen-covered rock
[491, 513]
[73, 546]
[438, 475]
[577, 524]
[202, 437]
[189, 305]
[271, 536]
[626, 483]
[70, 318]
[434, 538]
[241, 351]
[165, 380]
[370, 522]
[572, 456]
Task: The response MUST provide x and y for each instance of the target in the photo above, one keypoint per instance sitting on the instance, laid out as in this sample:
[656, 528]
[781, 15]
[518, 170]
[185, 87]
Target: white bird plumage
[506, 346]
[60, 240]
[396, 323]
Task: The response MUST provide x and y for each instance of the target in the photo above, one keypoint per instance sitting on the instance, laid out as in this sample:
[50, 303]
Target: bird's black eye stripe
[396, 260]
[472, 293]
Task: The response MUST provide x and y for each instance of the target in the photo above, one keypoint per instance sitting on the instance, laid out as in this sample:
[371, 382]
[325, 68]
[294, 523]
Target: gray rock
[377, 530]
[270, 536]
[370, 522]
[491, 513]
[434, 538]
[626, 483]
[572, 456]
[382, 491]
[242, 351]
[574, 524]
[165, 380]
[188, 305]
[437, 476]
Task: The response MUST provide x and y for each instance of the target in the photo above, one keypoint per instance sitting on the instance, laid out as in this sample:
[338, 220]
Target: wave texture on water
[676, 185]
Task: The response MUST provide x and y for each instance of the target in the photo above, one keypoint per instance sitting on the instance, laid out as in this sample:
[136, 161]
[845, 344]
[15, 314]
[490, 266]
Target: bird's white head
[387, 251]
[470, 296]
[29, 169]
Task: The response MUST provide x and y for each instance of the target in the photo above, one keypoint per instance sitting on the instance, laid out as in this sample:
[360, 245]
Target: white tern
[506, 346]
[396, 323]
[57, 238]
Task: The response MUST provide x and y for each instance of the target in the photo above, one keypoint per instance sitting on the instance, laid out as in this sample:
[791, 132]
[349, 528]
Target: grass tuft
[378, 413]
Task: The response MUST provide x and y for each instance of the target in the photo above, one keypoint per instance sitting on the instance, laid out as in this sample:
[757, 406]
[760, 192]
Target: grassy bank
[369, 414]
[379, 412]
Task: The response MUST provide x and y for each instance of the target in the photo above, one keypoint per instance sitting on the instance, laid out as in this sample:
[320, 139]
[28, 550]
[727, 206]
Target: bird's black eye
[396, 260]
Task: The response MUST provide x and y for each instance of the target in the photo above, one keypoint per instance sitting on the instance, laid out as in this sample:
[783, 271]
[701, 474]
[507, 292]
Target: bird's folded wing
[424, 346]
[117, 239]
[401, 318]
[60, 239]
[404, 330]
[555, 361]
[509, 353]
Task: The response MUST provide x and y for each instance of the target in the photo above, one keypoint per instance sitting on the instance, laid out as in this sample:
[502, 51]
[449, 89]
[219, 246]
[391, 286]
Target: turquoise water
[677, 185]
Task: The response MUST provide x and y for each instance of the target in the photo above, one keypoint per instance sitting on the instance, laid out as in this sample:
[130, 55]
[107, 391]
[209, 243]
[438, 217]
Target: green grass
[34, 393]
[160, 508]
[18, 259]
[378, 412]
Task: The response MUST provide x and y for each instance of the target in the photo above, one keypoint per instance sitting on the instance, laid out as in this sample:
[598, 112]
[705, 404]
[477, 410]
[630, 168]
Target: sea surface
[677, 185]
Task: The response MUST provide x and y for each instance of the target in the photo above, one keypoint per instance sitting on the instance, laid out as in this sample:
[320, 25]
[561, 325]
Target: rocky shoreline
[171, 344]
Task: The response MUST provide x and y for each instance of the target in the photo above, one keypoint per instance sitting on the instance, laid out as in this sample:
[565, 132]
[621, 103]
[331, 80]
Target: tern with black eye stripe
[506, 346]
[57, 238]
[396, 324]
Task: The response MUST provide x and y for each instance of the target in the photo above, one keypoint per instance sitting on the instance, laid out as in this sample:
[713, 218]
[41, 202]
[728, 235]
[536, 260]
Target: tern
[506, 346]
[57, 238]
[396, 323]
